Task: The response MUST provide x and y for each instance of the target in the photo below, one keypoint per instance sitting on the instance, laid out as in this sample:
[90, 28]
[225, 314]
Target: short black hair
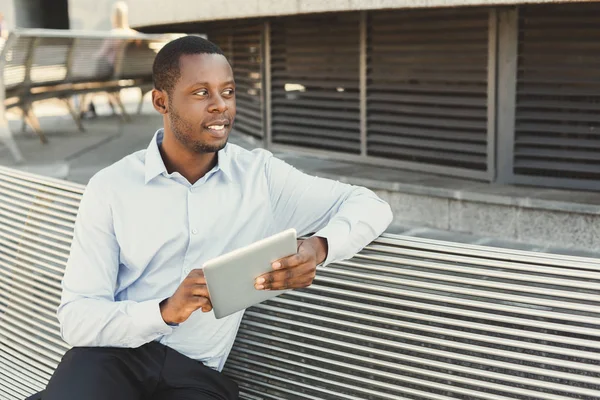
[165, 70]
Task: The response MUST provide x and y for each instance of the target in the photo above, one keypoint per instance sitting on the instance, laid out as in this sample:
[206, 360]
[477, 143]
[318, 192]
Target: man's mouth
[217, 127]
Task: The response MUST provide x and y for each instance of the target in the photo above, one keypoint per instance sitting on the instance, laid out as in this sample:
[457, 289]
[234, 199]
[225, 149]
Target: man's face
[202, 103]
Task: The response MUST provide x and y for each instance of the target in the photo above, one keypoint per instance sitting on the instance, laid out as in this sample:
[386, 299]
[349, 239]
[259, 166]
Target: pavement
[77, 156]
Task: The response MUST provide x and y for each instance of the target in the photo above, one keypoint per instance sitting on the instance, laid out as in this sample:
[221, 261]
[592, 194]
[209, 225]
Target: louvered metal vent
[315, 82]
[427, 87]
[557, 129]
[242, 43]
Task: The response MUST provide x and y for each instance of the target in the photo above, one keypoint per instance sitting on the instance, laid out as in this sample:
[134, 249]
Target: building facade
[504, 93]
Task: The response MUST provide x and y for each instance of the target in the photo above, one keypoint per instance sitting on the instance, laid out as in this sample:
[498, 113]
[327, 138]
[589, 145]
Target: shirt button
[195, 231]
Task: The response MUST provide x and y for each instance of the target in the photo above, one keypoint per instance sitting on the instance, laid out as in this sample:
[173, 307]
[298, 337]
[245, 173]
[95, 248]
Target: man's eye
[202, 92]
[229, 92]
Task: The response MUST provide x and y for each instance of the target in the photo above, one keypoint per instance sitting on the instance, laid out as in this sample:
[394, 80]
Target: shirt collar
[155, 165]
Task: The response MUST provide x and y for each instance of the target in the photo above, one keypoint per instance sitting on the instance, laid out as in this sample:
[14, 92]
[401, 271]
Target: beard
[183, 131]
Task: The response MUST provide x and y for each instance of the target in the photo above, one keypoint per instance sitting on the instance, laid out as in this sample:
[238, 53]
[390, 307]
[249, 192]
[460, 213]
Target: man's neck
[192, 166]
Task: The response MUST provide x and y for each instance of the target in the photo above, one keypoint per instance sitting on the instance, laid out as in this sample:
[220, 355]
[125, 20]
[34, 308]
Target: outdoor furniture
[39, 64]
[406, 318]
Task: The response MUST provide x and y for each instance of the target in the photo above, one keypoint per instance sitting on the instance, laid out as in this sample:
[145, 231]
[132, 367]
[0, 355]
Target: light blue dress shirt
[141, 230]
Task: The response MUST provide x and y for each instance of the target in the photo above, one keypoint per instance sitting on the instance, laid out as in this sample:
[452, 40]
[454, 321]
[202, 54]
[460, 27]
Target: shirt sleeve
[349, 217]
[88, 313]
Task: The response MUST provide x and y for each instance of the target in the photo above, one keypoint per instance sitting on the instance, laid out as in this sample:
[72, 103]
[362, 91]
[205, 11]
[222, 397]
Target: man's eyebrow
[230, 82]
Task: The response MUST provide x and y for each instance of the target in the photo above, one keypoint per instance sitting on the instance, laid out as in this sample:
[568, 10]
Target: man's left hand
[297, 271]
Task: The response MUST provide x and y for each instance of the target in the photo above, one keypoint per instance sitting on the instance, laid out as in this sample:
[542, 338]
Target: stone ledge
[462, 190]
[544, 218]
[188, 11]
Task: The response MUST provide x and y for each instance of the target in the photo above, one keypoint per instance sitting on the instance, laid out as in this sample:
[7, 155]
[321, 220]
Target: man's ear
[160, 101]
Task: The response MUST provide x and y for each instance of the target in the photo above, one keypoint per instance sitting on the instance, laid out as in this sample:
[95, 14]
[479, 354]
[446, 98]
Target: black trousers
[150, 372]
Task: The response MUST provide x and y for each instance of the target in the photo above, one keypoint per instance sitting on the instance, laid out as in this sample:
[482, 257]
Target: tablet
[230, 277]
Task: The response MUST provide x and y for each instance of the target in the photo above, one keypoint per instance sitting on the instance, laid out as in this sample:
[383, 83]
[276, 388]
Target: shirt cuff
[336, 233]
[148, 319]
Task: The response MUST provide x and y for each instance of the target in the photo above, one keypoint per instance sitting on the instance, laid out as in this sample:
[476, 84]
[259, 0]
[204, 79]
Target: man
[135, 304]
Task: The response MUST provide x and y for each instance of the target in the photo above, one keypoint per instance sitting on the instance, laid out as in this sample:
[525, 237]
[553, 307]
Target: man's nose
[218, 105]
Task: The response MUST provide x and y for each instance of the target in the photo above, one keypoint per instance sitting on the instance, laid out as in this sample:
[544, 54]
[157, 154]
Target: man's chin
[211, 147]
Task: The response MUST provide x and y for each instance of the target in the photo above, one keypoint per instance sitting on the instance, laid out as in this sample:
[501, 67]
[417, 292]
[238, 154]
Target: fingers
[297, 259]
[203, 303]
[198, 290]
[288, 278]
[196, 276]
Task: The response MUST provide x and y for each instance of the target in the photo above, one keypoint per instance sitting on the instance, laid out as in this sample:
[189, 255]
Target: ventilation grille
[427, 87]
[557, 128]
[315, 82]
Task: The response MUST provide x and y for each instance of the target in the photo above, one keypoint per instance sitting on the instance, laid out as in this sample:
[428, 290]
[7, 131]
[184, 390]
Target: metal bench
[407, 318]
[41, 64]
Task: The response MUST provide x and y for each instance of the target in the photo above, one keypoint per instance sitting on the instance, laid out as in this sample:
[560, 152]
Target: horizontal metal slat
[41, 364]
[315, 141]
[36, 375]
[485, 255]
[30, 214]
[50, 246]
[405, 378]
[419, 131]
[317, 374]
[21, 252]
[473, 268]
[558, 154]
[27, 280]
[24, 375]
[47, 316]
[559, 142]
[16, 335]
[7, 214]
[424, 155]
[477, 281]
[11, 385]
[36, 329]
[416, 109]
[46, 304]
[44, 250]
[443, 348]
[352, 361]
[311, 104]
[33, 229]
[365, 325]
[432, 121]
[426, 99]
[318, 112]
[241, 364]
[426, 143]
[34, 210]
[50, 185]
[487, 295]
[39, 196]
[560, 167]
[319, 294]
[488, 307]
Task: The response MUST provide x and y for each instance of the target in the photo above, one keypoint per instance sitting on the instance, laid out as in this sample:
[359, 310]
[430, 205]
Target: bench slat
[407, 318]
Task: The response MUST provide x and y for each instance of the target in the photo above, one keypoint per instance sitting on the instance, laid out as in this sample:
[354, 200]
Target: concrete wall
[7, 7]
[153, 12]
[90, 15]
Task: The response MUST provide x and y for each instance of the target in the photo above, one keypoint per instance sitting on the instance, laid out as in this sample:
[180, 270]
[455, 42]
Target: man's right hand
[191, 295]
